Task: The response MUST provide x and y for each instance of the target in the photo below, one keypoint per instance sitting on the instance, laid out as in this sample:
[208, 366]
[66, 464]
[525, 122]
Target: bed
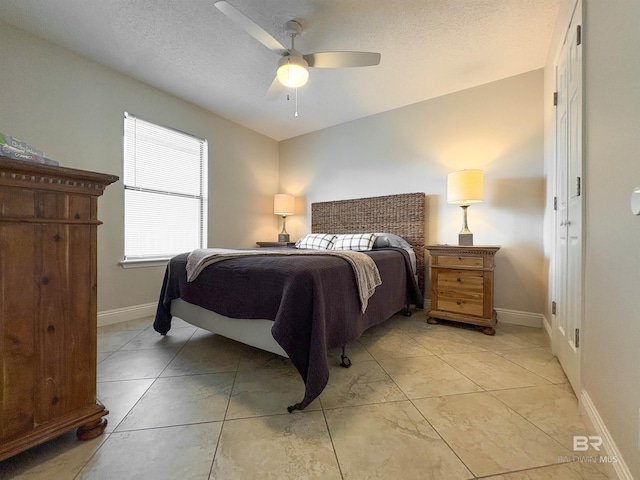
[300, 306]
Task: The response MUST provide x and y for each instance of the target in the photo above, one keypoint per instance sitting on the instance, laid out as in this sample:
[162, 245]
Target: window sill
[144, 262]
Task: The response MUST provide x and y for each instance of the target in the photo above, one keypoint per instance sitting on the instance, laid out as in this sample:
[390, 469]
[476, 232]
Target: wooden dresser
[462, 285]
[48, 305]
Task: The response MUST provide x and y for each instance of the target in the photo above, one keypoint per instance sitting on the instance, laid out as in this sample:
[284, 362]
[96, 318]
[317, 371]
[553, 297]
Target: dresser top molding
[18, 173]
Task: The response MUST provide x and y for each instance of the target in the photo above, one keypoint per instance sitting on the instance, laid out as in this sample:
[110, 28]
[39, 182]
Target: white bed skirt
[256, 333]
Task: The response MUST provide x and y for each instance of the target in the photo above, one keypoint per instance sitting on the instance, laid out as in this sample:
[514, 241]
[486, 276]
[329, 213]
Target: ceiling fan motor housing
[293, 28]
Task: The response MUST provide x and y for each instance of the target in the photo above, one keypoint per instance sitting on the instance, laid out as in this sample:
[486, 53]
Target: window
[165, 191]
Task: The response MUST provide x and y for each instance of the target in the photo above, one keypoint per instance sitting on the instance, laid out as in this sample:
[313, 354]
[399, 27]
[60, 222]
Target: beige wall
[611, 356]
[73, 109]
[496, 127]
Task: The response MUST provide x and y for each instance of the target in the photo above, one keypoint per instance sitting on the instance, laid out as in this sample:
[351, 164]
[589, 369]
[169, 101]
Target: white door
[569, 232]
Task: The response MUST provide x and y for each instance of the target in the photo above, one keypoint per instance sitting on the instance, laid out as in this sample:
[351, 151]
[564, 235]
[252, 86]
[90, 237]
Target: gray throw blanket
[364, 268]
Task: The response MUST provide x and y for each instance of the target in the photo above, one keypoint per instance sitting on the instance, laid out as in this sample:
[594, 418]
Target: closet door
[569, 195]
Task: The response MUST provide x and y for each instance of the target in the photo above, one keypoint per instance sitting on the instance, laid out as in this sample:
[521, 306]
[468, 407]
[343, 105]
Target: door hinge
[555, 203]
[578, 186]
[555, 99]
[579, 35]
[553, 308]
[577, 339]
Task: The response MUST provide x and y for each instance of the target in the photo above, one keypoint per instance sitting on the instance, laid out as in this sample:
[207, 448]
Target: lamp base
[283, 237]
[465, 239]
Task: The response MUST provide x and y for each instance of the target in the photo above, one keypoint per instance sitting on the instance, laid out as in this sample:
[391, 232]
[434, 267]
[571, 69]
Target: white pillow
[359, 242]
[316, 241]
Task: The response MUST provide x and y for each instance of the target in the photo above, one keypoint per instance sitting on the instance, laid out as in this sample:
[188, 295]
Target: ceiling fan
[293, 67]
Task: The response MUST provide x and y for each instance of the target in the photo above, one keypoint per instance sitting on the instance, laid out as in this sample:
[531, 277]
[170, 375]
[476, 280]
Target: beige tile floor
[420, 401]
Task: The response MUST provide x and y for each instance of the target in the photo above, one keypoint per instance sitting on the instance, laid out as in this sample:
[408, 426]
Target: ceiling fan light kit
[293, 71]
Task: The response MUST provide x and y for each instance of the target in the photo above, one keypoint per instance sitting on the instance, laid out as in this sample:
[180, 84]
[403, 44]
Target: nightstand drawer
[460, 261]
[461, 280]
[457, 302]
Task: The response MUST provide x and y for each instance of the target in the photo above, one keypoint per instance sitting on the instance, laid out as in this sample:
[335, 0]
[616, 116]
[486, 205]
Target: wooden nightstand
[275, 244]
[462, 285]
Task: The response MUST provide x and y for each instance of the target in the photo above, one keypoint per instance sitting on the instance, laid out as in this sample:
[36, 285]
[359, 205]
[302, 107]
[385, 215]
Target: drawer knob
[458, 302]
[458, 280]
[459, 259]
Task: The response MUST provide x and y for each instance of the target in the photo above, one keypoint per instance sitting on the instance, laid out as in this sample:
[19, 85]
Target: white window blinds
[165, 191]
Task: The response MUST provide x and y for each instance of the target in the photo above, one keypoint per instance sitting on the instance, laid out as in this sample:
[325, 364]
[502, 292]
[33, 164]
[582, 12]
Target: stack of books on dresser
[11, 147]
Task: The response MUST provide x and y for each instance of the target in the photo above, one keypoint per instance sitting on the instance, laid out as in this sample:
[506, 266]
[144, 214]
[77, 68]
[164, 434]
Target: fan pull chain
[289, 99]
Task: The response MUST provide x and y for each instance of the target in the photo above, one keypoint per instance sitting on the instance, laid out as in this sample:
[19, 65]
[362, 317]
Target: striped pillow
[359, 242]
[316, 241]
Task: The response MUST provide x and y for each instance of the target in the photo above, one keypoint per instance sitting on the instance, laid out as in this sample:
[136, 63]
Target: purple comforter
[313, 301]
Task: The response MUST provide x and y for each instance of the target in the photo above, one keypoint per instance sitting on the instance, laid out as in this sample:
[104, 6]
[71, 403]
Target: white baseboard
[118, 315]
[596, 424]
[109, 317]
[516, 317]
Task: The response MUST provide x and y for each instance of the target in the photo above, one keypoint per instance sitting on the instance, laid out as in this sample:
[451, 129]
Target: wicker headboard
[404, 214]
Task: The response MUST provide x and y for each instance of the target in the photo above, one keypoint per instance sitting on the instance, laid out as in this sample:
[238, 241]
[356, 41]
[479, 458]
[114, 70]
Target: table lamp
[464, 188]
[283, 204]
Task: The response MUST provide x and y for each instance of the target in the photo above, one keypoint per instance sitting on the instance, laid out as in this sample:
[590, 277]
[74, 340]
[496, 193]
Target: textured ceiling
[190, 49]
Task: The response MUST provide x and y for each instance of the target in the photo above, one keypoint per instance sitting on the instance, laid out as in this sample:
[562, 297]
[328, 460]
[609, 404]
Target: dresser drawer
[471, 281]
[460, 261]
[54, 207]
[16, 202]
[457, 302]
[64, 206]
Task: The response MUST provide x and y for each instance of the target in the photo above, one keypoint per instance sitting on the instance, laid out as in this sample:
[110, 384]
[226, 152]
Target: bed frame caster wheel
[432, 321]
[345, 362]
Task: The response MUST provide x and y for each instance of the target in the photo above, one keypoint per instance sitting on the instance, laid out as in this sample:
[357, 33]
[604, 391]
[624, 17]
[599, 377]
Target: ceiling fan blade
[342, 59]
[275, 89]
[251, 27]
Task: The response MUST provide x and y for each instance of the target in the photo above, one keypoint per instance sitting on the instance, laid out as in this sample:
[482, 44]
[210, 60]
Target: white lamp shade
[465, 187]
[284, 204]
[293, 71]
